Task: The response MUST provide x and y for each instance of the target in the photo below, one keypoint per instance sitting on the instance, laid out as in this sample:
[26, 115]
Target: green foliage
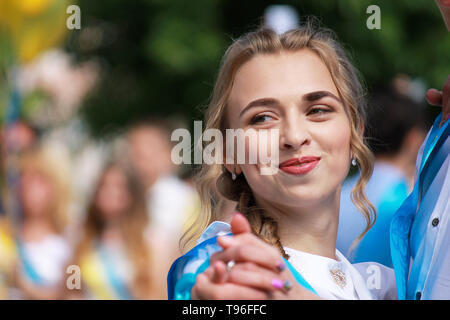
[161, 57]
[5, 62]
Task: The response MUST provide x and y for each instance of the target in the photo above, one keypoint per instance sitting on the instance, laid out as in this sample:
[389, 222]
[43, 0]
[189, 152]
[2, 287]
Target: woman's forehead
[280, 75]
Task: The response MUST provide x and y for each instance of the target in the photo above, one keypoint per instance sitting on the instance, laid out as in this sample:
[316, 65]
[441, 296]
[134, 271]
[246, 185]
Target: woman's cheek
[261, 153]
[263, 150]
[337, 139]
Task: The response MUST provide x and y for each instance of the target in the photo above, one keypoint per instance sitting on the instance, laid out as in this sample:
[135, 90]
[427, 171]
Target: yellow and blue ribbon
[101, 278]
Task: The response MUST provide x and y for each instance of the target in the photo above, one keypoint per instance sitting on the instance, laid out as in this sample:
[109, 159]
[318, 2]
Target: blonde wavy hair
[44, 161]
[322, 42]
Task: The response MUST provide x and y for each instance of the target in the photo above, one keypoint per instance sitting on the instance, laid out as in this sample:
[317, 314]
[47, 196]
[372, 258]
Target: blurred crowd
[398, 123]
[104, 221]
[116, 218]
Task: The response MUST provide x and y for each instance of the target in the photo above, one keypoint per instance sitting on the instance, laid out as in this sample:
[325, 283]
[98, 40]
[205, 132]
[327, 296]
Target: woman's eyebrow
[310, 97]
[317, 95]
[263, 102]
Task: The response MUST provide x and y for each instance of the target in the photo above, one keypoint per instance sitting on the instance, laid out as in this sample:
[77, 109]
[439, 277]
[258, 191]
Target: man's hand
[444, 7]
[441, 98]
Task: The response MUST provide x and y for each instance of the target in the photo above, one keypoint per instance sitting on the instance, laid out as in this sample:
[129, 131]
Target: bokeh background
[162, 56]
[77, 92]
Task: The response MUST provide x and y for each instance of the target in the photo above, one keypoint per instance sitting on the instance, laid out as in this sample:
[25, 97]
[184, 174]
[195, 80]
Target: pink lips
[299, 166]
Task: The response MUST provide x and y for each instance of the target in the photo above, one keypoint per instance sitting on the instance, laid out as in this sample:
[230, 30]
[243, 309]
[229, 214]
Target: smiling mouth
[299, 166]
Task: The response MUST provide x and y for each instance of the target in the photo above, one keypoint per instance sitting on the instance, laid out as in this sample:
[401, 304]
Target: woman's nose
[293, 134]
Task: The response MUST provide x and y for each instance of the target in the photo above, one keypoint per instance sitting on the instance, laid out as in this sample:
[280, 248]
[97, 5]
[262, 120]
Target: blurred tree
[412, 38]
[27, 28]
[158, 57]
[161, 56]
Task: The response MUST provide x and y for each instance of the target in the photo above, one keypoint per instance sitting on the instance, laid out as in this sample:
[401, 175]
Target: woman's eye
[318, 111]
[260, 118]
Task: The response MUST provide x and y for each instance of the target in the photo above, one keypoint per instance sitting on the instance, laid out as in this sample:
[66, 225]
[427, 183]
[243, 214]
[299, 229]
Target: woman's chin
[298, 197]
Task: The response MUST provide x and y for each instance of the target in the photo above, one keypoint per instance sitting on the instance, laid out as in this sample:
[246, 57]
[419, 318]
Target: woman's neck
[112, 231]
[310, 229]
[35, 229]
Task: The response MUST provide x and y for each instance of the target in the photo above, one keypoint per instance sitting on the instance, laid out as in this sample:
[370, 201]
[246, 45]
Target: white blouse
[318, 272]
[363, 281]
[48, 257]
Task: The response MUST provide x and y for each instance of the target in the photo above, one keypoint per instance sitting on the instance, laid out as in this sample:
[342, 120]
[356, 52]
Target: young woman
[42, 248]
[301, 83]
[115, 254]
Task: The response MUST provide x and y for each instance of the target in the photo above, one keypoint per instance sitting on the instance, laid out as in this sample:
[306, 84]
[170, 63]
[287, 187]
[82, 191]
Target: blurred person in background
[170, 200]
[41, 247]
[19, 135]
[8, 256]
[15, 138]
[118, 260]
[396, 129]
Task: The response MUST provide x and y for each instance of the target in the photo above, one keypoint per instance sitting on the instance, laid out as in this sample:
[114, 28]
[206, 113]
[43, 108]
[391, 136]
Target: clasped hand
[257, 270]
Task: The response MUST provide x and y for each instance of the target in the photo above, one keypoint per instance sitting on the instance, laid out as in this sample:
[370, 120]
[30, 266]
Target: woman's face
[113, 197]
[36, 192]
[294, 93]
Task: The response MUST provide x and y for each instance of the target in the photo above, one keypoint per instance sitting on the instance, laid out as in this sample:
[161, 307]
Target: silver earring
[233, 174]
[354, 161]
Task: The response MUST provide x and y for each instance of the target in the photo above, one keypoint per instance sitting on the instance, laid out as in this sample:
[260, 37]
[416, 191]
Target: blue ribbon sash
[180, 281]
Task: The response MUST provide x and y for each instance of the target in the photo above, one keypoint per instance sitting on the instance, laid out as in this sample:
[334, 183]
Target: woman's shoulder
[184, 270]
[205, 247]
